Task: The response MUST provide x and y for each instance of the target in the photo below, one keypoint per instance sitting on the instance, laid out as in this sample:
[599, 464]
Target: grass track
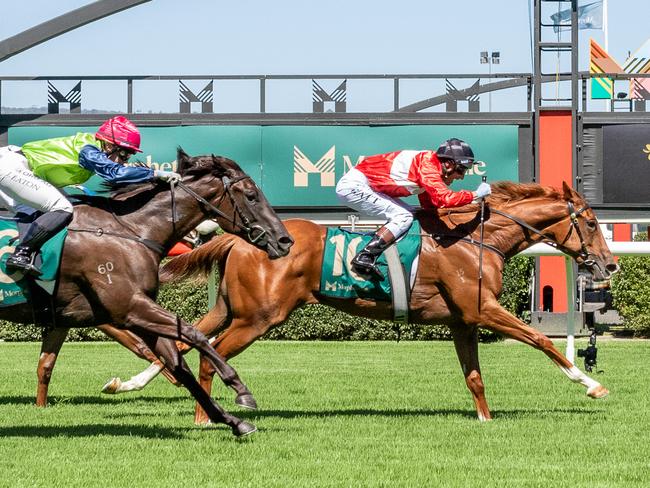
[332, 414]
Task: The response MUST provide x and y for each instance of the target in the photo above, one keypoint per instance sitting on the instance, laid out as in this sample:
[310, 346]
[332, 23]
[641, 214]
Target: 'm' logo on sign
[302, 166]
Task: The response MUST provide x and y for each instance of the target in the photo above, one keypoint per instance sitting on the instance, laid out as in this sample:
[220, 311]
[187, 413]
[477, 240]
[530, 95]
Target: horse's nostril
[285, 240]
[612, 268]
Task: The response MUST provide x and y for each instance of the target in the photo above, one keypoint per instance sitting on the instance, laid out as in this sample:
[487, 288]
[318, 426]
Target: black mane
[128, 198]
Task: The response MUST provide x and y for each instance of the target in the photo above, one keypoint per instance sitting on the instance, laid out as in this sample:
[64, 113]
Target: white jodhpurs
[353, 190]
[19, 187]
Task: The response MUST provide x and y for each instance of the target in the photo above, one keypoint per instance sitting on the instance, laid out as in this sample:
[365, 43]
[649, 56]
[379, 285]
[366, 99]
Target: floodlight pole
[488, 59]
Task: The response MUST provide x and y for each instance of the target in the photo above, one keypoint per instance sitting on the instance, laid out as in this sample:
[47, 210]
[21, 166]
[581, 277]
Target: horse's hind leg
[166, 348]
[498, 319]
[52, 341]
[466, 343]
[138, 347]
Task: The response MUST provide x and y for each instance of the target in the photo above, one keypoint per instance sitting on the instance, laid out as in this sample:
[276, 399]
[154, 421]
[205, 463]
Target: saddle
[398, 262]
[15, 288]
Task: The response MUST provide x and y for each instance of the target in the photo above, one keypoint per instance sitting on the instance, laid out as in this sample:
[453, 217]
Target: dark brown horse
[256, 294]
[109, 268]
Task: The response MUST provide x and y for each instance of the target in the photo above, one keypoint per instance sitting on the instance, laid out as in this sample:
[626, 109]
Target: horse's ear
[567, 191]
[182, 160]
[218, 166]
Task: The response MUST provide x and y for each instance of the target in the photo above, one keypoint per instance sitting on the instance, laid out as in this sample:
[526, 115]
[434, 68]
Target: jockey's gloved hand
[483, 190]
[167, 176]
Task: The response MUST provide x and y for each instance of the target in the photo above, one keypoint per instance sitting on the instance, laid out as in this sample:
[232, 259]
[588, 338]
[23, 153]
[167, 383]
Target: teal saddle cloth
[339, 281]
[14, 287]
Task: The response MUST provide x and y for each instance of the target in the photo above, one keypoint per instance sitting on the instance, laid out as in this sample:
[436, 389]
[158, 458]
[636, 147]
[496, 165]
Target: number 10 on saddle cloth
[340, 281]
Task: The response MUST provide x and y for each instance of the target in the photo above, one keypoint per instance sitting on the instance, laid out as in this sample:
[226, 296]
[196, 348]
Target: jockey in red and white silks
[374, 186]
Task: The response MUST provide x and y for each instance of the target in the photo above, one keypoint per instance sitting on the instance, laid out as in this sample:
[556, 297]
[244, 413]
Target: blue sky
[295, 37]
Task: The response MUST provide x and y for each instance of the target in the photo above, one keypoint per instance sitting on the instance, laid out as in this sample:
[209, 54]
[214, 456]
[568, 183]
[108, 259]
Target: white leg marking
[578, 376]
[137, 382]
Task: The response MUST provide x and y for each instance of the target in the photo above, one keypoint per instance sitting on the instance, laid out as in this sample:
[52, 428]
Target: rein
[573, 215]
[159, 249]
[469, 240]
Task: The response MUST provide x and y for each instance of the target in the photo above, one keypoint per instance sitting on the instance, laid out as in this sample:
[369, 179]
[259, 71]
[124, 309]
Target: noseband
[573, 215]
[254, 232]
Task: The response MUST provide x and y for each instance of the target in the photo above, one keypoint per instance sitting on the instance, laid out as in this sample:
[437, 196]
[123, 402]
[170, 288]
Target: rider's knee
[400, 223]
[62, 204]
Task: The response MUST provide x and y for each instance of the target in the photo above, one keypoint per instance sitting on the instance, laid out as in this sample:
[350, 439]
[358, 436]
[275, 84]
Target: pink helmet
[120, 131]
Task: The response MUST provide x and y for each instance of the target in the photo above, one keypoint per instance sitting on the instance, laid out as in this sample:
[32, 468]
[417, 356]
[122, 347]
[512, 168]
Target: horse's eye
[592, 225]
[251, 196]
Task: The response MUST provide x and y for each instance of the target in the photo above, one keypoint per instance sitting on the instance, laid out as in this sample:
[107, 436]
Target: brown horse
[109, 267]
[256, 294]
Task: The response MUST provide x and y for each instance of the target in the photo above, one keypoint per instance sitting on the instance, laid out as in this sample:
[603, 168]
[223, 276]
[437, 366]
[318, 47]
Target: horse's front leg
[494, 317]
[166, 348]
[466, 343]
[52, 341]
[146, 318]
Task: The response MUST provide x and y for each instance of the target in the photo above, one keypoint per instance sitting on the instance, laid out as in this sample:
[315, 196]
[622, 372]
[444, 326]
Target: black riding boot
[43, 228]
[365, 262]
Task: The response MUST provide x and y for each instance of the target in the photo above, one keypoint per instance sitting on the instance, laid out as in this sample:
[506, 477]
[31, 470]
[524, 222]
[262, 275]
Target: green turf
[332, 414]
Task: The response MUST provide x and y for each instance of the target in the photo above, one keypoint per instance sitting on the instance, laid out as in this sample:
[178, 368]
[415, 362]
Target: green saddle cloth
[337, 278]
[14, 287]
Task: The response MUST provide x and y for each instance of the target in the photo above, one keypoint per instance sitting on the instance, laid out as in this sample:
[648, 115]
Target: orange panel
[555, 147]
[622, 232]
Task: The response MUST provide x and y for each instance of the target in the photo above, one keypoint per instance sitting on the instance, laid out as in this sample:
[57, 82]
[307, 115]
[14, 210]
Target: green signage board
[300, 165]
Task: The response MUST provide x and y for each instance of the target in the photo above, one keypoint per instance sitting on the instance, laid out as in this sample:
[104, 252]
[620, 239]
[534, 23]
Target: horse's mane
[503, 193]
[508, 191]
[126, 198]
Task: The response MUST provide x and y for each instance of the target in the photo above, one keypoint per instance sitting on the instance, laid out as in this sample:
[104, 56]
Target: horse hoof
[246, 401]
[597, 392]
[243, 429]
[111, 387]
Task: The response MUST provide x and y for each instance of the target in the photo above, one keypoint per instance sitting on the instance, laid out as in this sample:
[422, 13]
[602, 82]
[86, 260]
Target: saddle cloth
[340, 281]
[14, 287]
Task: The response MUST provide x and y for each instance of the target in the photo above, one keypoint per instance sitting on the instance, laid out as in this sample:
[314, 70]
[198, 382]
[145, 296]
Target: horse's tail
[198, 262]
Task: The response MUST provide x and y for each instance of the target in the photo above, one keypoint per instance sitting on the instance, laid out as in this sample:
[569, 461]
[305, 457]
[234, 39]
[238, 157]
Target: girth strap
[153, 245]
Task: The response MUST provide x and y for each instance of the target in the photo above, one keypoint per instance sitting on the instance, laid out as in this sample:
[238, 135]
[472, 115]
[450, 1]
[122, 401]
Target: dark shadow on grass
[89, 400]
[369, 412]
[91, 430]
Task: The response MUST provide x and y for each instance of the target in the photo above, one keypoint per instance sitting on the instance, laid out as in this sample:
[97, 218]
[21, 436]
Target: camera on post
[590, 353]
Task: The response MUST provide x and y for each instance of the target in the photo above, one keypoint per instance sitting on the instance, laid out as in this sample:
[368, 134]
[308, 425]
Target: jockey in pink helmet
[31, 175]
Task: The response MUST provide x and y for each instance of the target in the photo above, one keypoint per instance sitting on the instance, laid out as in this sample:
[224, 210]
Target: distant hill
[43, 110]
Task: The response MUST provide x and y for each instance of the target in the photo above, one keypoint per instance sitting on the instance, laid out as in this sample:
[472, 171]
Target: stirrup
[367, 271]
[23, 263]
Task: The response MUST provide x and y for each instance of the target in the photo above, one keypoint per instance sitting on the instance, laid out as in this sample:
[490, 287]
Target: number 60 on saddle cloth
[340, 281]
[14, 288]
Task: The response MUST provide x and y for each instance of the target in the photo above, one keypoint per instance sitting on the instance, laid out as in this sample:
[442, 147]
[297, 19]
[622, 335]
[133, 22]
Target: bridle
[573, 215]
[245, 224]
[254, 232]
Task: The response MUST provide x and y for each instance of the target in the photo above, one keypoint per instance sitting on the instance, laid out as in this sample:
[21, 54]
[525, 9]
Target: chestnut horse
[256, 294]
[109, 266]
